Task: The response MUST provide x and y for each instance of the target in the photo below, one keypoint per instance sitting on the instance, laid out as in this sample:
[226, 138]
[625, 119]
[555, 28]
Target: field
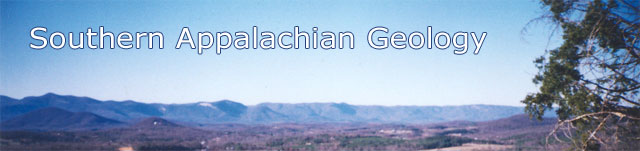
[160, 134]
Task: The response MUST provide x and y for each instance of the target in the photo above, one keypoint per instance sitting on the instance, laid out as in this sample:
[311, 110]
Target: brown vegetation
[159, 134]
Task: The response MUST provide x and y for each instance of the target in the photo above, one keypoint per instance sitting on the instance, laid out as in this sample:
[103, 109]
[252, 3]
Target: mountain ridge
[196, 102]
[52, 118]
[226, 111]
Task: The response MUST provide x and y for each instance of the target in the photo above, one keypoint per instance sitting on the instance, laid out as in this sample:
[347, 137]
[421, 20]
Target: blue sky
[501, 74]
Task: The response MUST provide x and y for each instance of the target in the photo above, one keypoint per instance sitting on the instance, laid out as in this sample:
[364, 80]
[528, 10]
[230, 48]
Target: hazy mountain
[121, 110]
[51, 118]
[232, 112]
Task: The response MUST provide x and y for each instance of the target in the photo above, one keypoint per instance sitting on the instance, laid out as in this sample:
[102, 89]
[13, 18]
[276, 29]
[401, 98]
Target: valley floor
[514, 133]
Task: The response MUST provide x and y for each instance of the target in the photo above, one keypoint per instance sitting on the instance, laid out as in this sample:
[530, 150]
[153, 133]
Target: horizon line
[265, 102]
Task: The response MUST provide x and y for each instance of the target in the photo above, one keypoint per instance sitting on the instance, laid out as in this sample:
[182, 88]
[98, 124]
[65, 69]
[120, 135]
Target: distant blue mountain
[52, 118]
[226, 111]
[124, 110]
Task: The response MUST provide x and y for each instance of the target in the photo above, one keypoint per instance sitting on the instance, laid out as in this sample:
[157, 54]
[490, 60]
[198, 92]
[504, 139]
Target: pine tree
[593, 79]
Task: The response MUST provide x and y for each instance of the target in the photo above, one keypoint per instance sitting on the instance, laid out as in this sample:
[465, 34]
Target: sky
[500, 74]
